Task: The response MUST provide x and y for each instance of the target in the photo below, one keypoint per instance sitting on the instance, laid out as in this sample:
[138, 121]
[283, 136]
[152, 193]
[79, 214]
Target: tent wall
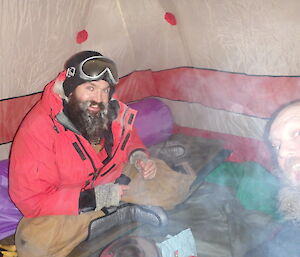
[252, 37]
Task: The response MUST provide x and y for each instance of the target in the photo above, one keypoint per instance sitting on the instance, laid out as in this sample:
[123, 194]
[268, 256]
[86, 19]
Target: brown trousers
[57, 236]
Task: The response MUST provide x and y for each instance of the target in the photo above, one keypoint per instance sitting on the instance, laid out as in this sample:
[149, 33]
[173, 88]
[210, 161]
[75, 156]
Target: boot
[125, 214]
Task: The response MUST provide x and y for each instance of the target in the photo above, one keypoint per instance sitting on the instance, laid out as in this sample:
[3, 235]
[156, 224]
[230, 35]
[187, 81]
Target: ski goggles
[95, 68]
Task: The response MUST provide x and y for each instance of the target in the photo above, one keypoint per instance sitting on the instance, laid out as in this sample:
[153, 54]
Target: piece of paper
[180, 245]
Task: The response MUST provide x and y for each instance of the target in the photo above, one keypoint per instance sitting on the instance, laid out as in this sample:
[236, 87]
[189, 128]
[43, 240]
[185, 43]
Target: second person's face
[285, 139]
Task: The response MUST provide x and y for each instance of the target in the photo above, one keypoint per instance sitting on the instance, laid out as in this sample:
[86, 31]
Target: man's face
[88, 109]
[92, 95]
[285, 139]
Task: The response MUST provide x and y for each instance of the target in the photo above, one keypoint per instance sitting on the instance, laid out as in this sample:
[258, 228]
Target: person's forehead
[97, 83]
[290, 114]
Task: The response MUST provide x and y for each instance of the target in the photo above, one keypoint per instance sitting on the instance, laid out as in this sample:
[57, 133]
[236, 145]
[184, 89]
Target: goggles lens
[98, 66]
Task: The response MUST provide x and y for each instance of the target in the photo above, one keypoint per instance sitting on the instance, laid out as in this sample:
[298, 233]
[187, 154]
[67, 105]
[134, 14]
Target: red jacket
[49, 164]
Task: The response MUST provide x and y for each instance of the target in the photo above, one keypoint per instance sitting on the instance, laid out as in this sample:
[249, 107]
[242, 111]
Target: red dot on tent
[170, 18]
[82, 36]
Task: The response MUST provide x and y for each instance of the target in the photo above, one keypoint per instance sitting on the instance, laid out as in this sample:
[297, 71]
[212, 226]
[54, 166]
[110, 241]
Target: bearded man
[284, 137]
[285, 140]
[68, 157]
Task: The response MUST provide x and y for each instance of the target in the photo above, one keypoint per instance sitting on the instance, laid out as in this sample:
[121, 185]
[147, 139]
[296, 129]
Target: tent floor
[221, 226]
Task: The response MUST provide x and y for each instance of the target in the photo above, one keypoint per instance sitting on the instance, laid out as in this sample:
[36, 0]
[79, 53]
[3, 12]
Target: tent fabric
[18, 108]
[175, 59]
[224, 36]
[216, 120]
[218, 100]
[243, 149]
[215, 89]
[222, 67]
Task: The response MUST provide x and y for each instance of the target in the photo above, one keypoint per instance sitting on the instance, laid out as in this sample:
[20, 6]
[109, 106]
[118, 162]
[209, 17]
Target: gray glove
[138, 155]
[107, 195]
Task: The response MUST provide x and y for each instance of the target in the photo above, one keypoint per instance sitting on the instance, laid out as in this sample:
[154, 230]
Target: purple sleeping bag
[9, 214]
[154, 124]
[154, 121]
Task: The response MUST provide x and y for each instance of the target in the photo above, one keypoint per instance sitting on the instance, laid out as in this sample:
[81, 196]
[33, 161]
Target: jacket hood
[53, 95]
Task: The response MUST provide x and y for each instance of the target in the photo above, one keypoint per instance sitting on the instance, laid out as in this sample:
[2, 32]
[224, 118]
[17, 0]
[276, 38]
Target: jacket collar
[65, 121]
[52, 97]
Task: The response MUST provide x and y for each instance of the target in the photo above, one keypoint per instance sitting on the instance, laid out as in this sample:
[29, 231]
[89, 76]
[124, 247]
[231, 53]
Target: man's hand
[147, 168]
[123, 189]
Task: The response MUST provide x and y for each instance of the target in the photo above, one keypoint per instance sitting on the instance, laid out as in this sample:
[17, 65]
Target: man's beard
[92, 125]
[289, 194]
[289, 202]
[291, 169]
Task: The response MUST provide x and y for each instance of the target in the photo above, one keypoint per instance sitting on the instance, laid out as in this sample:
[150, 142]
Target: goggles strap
[70, 72]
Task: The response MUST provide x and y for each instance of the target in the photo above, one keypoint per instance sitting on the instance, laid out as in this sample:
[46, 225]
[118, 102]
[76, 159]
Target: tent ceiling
[251, 37]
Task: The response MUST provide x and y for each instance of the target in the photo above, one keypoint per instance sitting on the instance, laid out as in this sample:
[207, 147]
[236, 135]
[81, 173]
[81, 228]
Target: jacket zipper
[96, 172]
